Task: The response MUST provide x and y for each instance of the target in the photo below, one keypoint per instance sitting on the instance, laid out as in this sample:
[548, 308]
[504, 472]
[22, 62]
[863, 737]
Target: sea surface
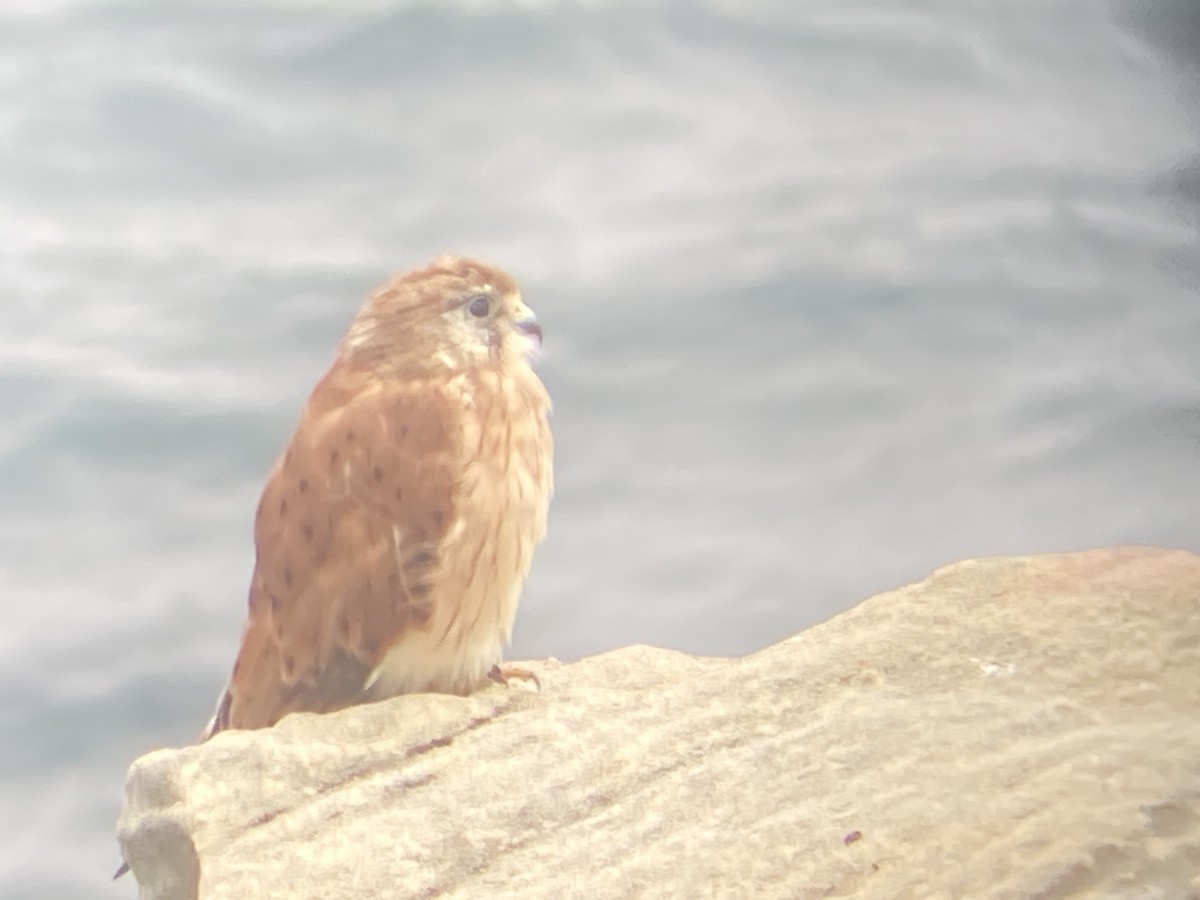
[835, 292]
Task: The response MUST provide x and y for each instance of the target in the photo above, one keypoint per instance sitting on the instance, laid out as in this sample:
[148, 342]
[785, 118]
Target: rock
[1008, 728]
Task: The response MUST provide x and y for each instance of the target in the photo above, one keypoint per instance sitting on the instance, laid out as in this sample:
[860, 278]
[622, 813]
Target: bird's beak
[527, 324]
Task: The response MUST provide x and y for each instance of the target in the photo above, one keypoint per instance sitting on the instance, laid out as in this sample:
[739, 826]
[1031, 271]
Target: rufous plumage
[397, 529]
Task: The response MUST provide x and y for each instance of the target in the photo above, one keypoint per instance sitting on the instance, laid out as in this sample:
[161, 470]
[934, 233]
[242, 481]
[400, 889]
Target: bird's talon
[502, 675]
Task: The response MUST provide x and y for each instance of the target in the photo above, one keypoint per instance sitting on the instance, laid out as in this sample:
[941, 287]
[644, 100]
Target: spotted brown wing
[346, 535]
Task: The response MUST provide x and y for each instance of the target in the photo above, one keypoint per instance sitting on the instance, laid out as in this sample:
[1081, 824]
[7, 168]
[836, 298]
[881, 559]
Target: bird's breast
[501, 501]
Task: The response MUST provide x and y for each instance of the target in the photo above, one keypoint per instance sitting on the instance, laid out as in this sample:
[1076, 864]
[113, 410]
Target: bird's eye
[480, 306]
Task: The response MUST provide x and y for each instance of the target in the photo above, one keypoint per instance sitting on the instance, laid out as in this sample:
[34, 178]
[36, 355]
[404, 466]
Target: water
[834, 293]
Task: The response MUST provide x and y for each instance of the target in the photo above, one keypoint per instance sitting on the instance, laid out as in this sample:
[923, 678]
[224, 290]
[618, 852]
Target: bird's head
[453, 315]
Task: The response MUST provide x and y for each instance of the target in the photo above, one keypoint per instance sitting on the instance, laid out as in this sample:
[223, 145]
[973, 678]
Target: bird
[396, 530]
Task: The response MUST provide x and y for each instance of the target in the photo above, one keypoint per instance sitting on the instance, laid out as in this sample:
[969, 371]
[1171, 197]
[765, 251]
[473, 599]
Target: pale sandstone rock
[1024, 727]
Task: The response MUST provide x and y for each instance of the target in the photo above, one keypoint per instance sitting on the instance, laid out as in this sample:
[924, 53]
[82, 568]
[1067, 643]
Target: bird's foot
[502, 675]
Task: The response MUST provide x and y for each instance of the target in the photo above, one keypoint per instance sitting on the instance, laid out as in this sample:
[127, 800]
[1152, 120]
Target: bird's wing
[346, 536]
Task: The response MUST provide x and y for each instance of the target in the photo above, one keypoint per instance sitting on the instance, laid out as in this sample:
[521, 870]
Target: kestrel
[396, 531]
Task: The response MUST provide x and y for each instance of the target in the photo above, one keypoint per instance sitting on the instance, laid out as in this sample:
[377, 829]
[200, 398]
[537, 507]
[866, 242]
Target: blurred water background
[835, 292]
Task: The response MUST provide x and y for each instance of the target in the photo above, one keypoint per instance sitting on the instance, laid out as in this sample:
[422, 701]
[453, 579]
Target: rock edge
[1009, 727]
